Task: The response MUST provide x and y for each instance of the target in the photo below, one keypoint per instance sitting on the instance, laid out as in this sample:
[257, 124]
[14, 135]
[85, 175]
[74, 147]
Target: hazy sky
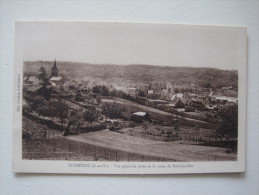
[132, 43]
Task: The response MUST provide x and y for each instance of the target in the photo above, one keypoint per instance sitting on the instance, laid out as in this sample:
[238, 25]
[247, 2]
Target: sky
[132, 43]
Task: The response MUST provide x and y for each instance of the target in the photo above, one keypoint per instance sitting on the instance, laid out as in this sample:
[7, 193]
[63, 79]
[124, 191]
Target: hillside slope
[141, 74]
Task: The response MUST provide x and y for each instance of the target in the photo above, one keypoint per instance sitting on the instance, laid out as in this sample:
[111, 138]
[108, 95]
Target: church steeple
[54, 71]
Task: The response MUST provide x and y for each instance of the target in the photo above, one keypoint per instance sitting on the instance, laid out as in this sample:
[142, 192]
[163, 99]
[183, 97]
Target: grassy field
[111, 146]
[57, 147]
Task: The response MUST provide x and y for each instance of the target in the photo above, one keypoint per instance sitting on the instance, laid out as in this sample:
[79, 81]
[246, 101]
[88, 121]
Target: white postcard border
[95, 167]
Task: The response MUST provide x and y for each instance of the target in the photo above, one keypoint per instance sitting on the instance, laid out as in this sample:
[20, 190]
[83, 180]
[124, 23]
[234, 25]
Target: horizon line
[89, 63]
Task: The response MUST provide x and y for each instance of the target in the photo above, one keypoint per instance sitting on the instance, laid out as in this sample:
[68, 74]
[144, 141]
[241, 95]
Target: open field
[168, 150]
[60, 148]
[54, 146]
[111, 146]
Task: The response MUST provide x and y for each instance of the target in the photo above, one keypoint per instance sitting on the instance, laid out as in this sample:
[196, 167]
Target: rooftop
[158, 101]
[34, 88]
[56, 78]
[139, 113]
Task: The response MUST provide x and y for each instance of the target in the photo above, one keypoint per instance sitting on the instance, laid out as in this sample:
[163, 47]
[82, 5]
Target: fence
[193, 137]
[150, 136]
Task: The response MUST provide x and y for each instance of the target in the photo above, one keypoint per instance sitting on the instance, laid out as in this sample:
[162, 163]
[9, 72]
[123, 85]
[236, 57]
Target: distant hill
[138, 74]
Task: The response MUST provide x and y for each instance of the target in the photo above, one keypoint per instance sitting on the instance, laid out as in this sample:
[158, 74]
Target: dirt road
[170, 150]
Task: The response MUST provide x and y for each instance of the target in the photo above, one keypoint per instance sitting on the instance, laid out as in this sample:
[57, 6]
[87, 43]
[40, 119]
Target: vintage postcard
[129, 98]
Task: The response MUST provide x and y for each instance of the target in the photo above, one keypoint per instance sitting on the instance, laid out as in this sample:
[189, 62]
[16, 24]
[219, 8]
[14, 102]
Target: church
[55, 79]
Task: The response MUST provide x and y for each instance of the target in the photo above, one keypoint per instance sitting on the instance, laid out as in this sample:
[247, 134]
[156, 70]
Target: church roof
[55, 78]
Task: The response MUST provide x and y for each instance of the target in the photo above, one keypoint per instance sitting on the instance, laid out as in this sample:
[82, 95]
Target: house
[31, 80]
[154, 96]
[142, 100]
[178, 103]
[223, 99]
[150, 91]
[56, 81]
[71, 84]
[166, 93]
[203, 99]
[177, 95]
[35, 89]
[197, 104]
[227, 88]
[131, 91]
[180, 100]
[140, 117]
[156, 103]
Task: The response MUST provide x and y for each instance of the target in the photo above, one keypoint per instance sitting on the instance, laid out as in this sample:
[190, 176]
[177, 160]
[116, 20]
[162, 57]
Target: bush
[113, 110]
[190, 109]
[101, 89]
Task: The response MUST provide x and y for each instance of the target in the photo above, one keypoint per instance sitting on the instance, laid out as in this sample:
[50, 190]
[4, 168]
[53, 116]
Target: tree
[98, 99]
[149, 86]
[189, 109]
[44, 110]
[73, 119]
[229, 121]
[197, 130]
[113, 110]
[91, 115]
[26, 107]
[101, 89]
[145, 126]
[176, 90]
[177, 128]
[37, 102]
[154, 96]
[142, 93]
[171, 119]
[79, 97]
[43, 76]
[60, 109]
[47, 92]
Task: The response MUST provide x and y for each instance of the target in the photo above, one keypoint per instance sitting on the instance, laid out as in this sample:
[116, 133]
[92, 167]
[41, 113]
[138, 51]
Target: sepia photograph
[129, 98]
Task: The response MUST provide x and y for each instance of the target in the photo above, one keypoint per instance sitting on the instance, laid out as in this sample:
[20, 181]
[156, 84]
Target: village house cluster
[201, 103]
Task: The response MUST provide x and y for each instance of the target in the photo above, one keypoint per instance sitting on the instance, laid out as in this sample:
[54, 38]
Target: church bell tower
[54, 71]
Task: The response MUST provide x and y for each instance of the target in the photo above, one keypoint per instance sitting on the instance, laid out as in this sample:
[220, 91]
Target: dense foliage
[229, 124]
[91, 114]
[113, 110]
[101, 89]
